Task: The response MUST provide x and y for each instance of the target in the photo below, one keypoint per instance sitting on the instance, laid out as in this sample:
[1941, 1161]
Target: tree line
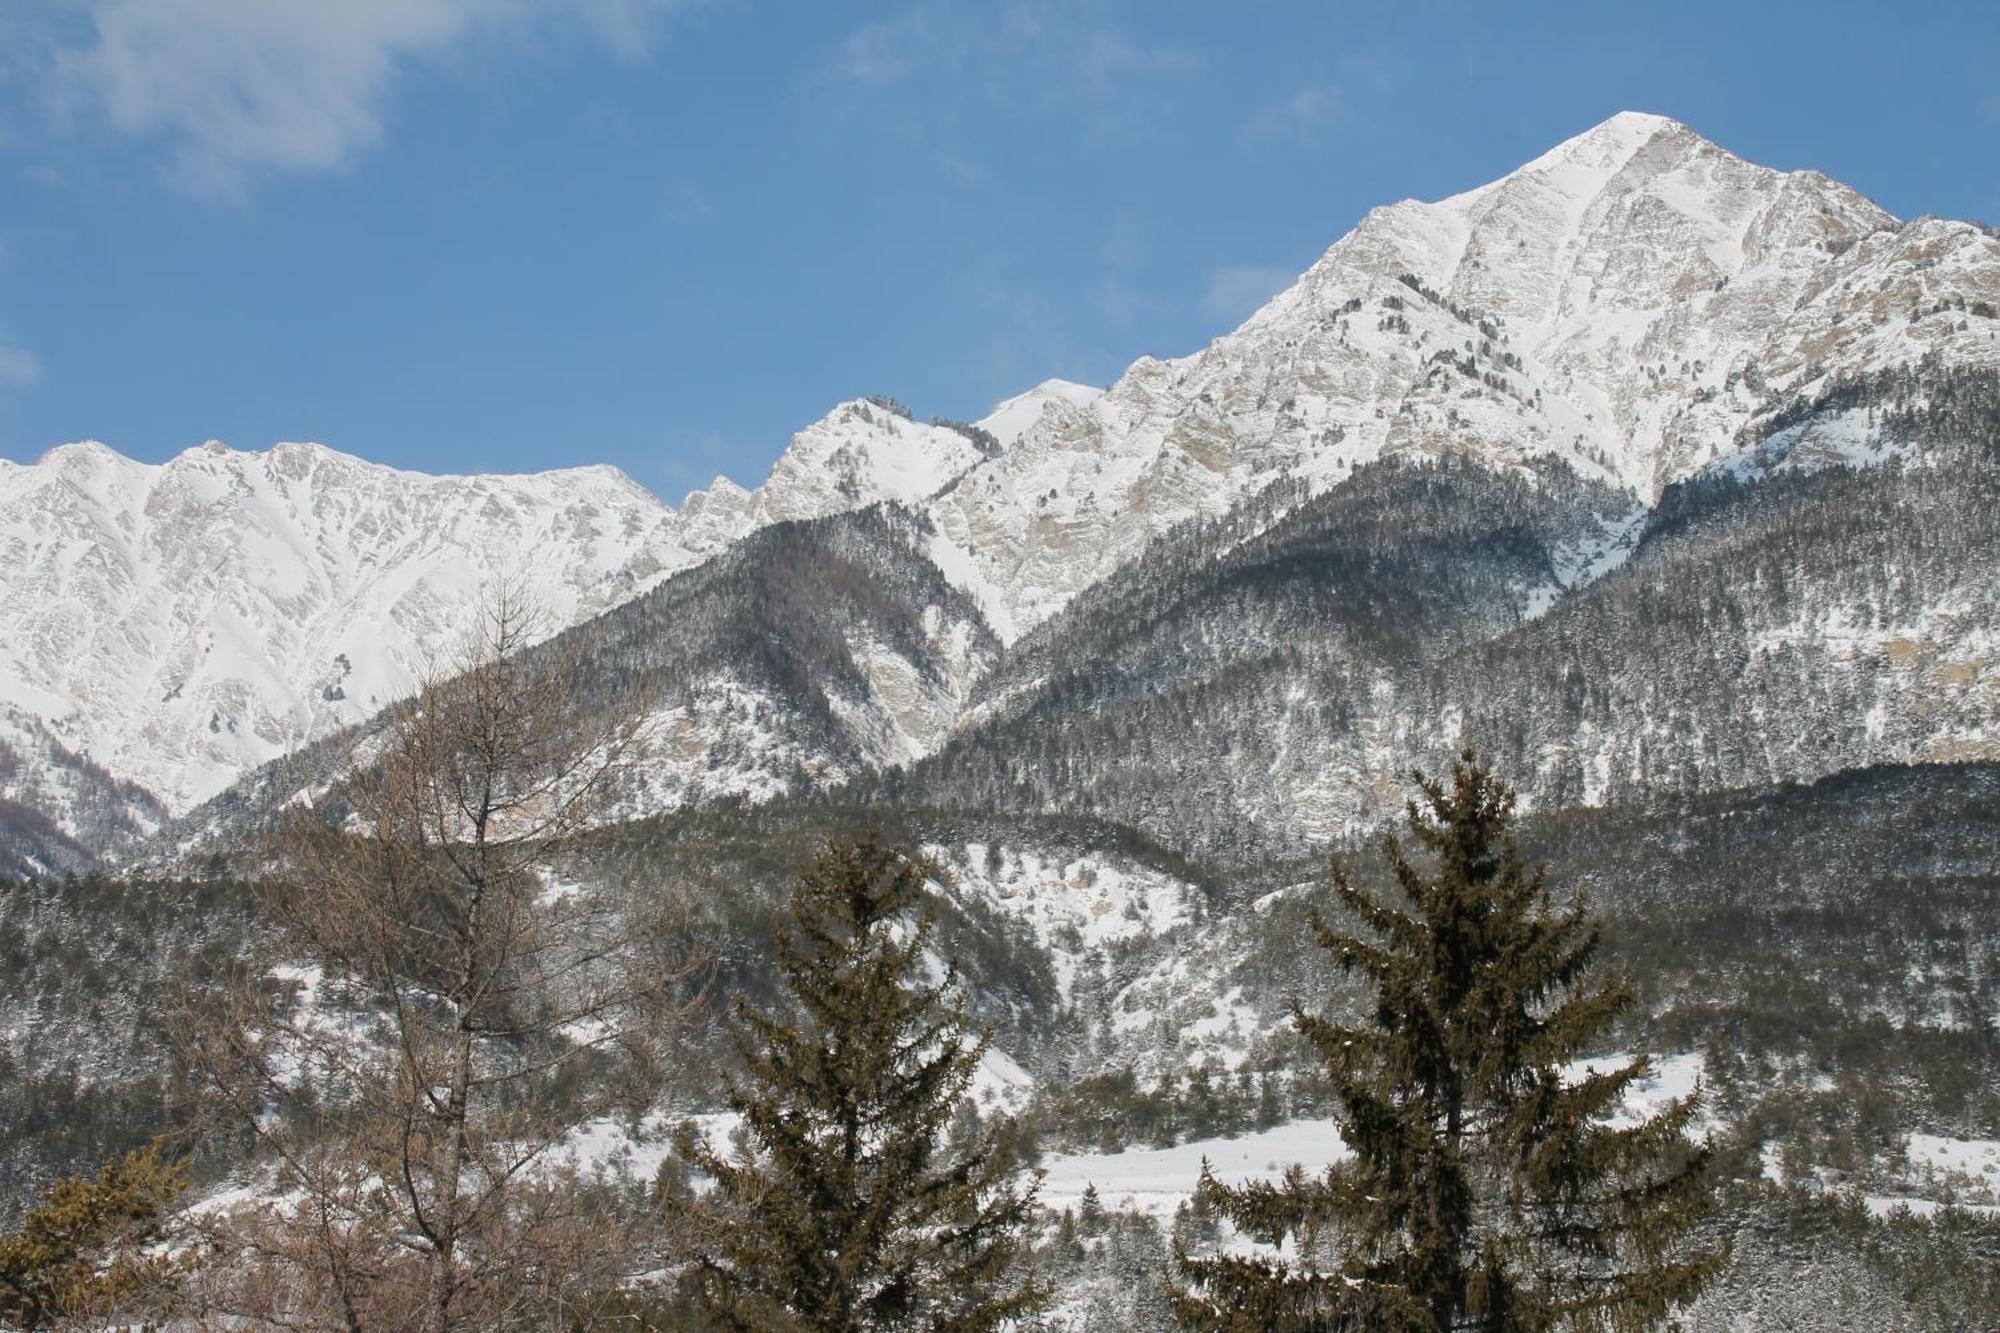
[410, 1089]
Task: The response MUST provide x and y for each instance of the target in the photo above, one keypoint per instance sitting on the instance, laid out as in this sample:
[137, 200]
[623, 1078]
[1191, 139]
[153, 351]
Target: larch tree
[460, 1011]
[852, 1208]
[1490, 1182]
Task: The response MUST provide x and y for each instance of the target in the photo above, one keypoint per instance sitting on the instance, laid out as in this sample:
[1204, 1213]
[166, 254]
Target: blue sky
[516, 234]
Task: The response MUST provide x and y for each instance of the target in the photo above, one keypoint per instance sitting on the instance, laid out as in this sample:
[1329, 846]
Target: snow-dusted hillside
[56, 807]
[1636, 303]
[179, 624]
[1629, 301]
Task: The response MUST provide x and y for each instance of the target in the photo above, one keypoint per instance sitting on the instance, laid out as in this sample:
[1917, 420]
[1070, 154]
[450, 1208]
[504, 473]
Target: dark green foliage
[1116, 1109]
[1485, 1188]
[735, 870]
[1110, 1267]
[854, 1212]
[1198, 642]
[1836, 933]
[982, 439]
[890, 403]
[92, 973]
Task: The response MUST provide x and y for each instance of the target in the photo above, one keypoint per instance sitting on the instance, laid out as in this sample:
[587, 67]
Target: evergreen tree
[853, 1211]
[1485, 1188]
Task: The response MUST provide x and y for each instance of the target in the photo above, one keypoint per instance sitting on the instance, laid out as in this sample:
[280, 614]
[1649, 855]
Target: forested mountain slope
[1780, 618]
[803, 655]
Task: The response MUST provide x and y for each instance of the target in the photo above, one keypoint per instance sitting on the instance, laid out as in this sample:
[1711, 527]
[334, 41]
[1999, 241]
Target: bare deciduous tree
[460, 1012]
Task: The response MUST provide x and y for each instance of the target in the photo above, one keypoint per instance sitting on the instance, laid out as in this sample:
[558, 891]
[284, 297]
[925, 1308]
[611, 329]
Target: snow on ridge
[182, 622]
[1013, 418]
[1628, 303]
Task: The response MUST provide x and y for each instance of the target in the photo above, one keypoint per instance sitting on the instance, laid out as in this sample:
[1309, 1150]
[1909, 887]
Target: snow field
[1156, 1181]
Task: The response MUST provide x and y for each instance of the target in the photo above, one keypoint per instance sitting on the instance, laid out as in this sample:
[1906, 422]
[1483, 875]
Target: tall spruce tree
[854, 1211]
[1485, 1188]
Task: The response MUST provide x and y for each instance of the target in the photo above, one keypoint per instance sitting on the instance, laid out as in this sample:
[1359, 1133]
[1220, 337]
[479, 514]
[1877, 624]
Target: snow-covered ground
[1967, 1171]
[1976, 1160]
[1590, 557]
[1072, 904]
[1672, 1078]
[1158, 1180]
[1888, 1205]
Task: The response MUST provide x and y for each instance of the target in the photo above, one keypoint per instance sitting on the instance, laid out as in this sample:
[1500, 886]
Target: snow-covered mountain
[1630, 301]
[1636, 304]
[58, 810]
[175, 625]
[178, 623]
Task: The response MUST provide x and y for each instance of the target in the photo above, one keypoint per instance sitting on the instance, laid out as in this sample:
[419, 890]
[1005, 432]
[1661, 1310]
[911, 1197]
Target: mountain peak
[1582, 166]
[1011, 420]
[860, 452]
[79, 451]
[283, 454]
[1626, 132]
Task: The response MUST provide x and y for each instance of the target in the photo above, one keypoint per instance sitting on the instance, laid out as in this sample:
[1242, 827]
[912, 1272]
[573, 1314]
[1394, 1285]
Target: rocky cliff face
[1629, 302]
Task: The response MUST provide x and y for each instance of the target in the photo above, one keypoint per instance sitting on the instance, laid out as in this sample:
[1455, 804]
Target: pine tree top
[855, 1211]
[1485, 1185]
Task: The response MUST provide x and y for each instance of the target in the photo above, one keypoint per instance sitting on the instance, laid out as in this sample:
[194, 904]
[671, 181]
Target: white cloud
[237, 87]
[18, 367]
[1030, 51]
[883, 51]
[1124, 307]
[1018, 59]
[1107, 59]
[1298, 113]
[1235, 291]
[1028, 339]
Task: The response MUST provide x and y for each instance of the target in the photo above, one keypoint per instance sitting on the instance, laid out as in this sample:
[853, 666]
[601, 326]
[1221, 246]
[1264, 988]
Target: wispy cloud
[1298, 114]
[686, 204]
[1344, 96]
[1028, 338]
[695, 463]
[18, 366]
[1123, 306]
[1235, 291]
[1106, 60]
[884, 51]
[1124, 245]
[1026, 55]
[234, 88]
[958, 167]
